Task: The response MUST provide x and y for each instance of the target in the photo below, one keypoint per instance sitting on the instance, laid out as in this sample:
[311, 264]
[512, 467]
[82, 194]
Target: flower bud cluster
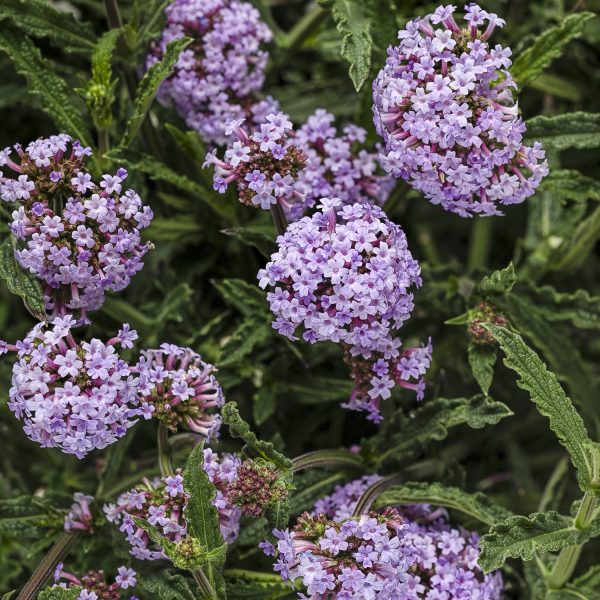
[94, 585]
[444, 107]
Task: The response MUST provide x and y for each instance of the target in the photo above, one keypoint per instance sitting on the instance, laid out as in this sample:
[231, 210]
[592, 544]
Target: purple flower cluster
[264, 164]
[343, 275]
[444, 559]
[76, 396]
[80, 516]
[218, 74]
[81, 238]
[354, 558]
[162, 503]
[94, 585]
[336, 165]
[444, 107]
[179, 388]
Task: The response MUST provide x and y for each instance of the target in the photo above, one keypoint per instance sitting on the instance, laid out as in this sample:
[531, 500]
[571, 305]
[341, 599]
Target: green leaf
[253, 237]
[202, 516]
[546, 47]
[52, 91]
[482, 360]
[243, 341]
[246, 297]
[524, 537]
[354, 24]
[59, 593]
[572, 592]
[577, 247]
[571, 130]
[8, 595]
[552, 402]
[478, 505]
[498, 282]
[168, 586]
[264, 404]
[240, 429]
[250, 585]
[30, 516]
[21, 282]
[590, 579]
[572, 185]
[39, 18]
[149, 85]
[406, 435]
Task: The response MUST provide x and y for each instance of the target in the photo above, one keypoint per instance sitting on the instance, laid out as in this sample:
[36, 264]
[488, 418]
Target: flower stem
[164, 451]
[568, 557]
[103, 141]
[205, 588]
[279, 218]
[372, 492]
[44, 569]
[304, 27]
[327, 458]
[479, 247]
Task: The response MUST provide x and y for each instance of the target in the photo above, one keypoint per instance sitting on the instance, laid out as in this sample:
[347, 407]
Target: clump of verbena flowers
[345, 275]
[177, 387]
[445, 107]
[94, 585]
[162, 503]
[79, 237]
[218, 76]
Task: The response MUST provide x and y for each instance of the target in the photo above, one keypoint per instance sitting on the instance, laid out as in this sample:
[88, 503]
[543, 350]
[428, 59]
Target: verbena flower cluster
[81, 238]
[217, 76]
[264, 165]
[80, 516]
[162, 503]
[444, 106]
[94, 585]
[443, 559]
[354, 558]
[344, 275]
[76, 396]
[337, 166]
[179, 388]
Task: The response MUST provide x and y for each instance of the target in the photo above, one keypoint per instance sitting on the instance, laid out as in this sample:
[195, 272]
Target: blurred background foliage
[198, 287]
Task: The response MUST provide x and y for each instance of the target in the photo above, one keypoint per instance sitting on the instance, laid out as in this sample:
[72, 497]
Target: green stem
[44, 569]
[479, 247]
[103, 141]
[279, 218]
[567, 559]
[164, 451]
[205, 588]
[373, 491]
[327, 458]
[304, 27]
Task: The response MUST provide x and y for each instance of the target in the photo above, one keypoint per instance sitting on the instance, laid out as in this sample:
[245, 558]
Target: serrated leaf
[202, 517]
[482, 360]
[405, 436]
[498, 282]
[52, 91]
[353, 21]
[571, 130]
[40, 19]
[30, 516]
[149, 85]
[246, 297]
[252, 237]
[477, 505]
[20, 281]
[552, 402]
[572, 185]
[524, 537]
[168, 586]
[546, 47]
[240, 429]
[59, 593]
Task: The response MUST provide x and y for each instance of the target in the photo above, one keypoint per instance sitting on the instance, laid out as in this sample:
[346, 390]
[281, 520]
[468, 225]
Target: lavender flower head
[94, 585]
[162, 503]
[344, 275]
[337, 166]
[264, 165]
[217, 76]
[354, 558]
[444, 559]
[443, 105]
[179, 388]
[80, 238]
[76, 396]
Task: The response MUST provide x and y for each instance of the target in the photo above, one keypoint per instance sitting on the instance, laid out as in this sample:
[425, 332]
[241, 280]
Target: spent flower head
[94, 585]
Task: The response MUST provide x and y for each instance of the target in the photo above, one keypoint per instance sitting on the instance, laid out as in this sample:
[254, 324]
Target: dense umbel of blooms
[444, 106]
[336, 166]
[218, 74]
[80, 238]
[162, 503]
[179, 388]
[444, 559]
[76, 396]
[343, 275]
[94, 586]
[264, 165]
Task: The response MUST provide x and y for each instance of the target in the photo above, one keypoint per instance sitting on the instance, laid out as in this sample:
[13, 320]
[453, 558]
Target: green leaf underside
[482, 360]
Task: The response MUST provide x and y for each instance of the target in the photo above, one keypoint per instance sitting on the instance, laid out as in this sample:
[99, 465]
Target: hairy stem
[479, 246]
[372, 492]
[205, 588]
[45, 568]
[279, 218]
[327, 458]
[164, 451]
[568, 557]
